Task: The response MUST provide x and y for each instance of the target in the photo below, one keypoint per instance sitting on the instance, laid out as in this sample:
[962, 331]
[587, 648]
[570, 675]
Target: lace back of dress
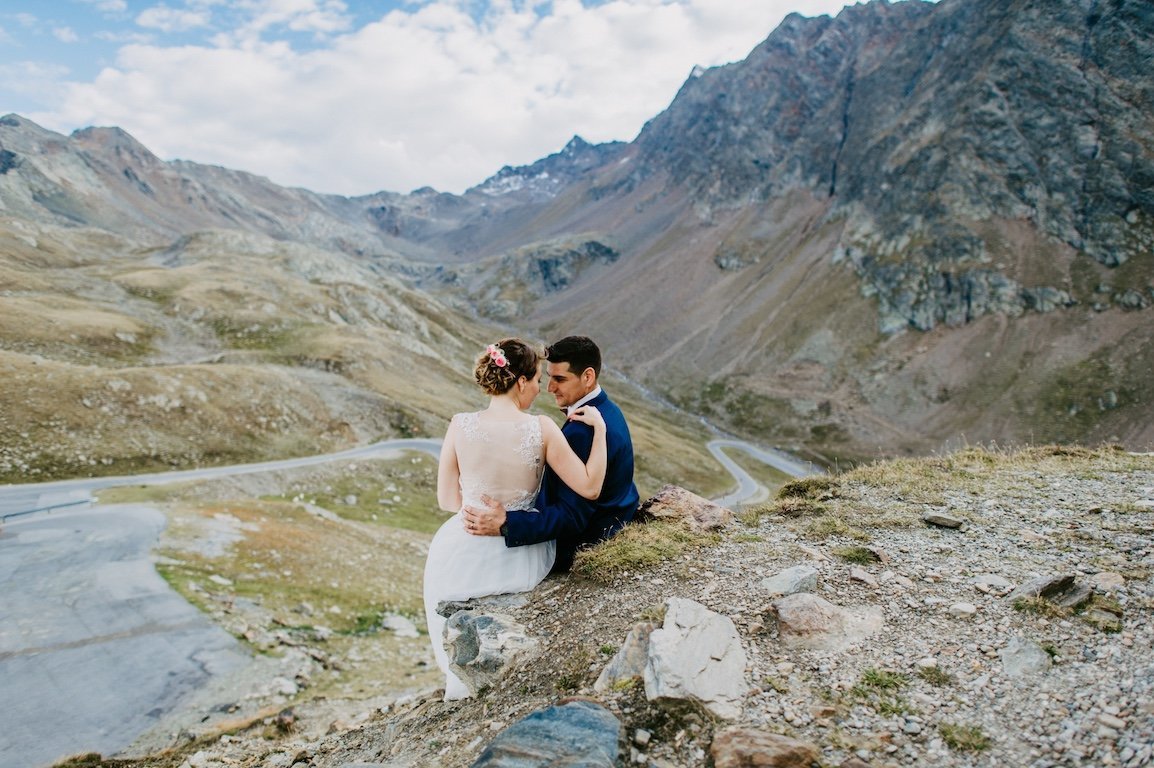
[500, 459]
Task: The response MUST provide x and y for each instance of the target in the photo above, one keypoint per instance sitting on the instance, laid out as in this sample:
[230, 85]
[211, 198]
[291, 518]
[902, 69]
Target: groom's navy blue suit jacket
[567, 516]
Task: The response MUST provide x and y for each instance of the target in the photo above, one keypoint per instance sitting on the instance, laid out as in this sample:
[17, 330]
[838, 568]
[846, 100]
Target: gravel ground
[933, 687]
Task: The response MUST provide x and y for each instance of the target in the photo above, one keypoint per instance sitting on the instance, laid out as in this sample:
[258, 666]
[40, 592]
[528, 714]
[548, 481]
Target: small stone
[963, 610]
[987, 582]
[741, 747]
[641, 738]
[944, 521]
[1110, 721]
[1107, 581]
[864, 576]
[799, 578]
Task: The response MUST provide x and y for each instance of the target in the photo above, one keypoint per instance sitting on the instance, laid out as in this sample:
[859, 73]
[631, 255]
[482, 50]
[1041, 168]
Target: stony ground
[929, 689]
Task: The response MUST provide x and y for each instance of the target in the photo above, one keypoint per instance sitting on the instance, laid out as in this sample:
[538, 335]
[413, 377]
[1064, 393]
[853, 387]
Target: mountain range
[897, 230]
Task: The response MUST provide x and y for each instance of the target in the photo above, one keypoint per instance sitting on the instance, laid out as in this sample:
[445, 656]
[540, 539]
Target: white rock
[696, 654]
[963, 610]
[799, 578]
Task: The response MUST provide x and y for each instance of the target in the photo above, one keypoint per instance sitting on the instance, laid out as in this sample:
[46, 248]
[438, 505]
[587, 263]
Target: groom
[561, 514]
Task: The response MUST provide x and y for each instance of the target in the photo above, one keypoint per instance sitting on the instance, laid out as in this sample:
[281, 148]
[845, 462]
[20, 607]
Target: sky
[358, 96]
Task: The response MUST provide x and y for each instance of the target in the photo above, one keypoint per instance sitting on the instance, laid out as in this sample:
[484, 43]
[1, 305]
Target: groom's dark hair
[579, 351]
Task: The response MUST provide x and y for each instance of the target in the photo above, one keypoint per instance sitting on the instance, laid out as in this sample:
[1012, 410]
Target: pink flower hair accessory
[497, 355]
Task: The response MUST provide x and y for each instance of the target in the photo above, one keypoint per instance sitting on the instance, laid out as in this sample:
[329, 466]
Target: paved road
[95, 648]
[748, 489]
[21, 499]
[94, 645]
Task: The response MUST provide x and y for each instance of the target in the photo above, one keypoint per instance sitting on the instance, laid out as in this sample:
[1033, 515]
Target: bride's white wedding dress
[502, 459]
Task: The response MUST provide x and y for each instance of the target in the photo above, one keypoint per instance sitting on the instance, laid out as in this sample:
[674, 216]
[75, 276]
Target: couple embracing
[526, 493]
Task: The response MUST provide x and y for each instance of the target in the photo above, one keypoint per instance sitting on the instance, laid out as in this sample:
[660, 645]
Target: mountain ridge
[902, 228]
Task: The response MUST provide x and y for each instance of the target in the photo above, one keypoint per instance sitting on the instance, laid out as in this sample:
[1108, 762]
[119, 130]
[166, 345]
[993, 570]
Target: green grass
[964, 738]
[573, 672]
[935, 676]
[397, 493]
[1039, 606]
[858, 555]
[639, 546]
[878, 688]
[812, 487]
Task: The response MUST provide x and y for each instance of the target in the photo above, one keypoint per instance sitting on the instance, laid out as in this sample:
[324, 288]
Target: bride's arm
[584, 478]
[449, 473]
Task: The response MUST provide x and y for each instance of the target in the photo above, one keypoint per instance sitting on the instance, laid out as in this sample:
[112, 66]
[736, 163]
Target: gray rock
[481, 646]
[1107, 581]
[857, 573]
[944, 521]
[676, 503]
[1061, 590]
[986, 582]
[799, 578]
[1022, 658]
[400, 626]
[696, 655]
[808, 621]
[963, 610]
[577, 734]
[630, 660]
[747, 747]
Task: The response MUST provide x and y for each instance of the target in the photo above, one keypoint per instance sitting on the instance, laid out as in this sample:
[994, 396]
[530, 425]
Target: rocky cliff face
[936, 132]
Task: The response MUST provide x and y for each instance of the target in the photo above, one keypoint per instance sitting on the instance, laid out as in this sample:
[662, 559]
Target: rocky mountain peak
[543, 179]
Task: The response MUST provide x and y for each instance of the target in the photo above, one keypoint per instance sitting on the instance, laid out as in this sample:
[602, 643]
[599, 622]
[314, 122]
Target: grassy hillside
[118, 357]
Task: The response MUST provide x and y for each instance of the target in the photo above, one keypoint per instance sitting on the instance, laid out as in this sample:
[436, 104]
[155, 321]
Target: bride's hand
[587, 414]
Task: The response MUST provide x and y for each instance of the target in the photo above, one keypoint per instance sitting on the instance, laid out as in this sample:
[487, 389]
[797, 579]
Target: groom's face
[568, 387]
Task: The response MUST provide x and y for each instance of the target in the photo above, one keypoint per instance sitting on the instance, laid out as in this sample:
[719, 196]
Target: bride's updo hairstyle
[501, 364]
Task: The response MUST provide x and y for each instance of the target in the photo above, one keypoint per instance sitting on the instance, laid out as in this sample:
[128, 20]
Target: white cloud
[109, 6]
[41, 82]
[65, 34]
[167, 19]
[425, 96]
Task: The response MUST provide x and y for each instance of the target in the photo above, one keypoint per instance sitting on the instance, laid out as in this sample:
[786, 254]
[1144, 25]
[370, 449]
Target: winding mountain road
[95, 648]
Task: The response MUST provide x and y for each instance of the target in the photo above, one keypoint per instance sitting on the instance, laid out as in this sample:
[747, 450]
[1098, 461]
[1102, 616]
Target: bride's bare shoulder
[548, 426]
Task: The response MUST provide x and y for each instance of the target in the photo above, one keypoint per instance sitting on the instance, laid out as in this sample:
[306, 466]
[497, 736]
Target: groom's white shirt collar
[596, 391]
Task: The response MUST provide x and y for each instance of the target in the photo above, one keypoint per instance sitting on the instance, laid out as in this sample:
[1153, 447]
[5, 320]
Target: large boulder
[482, 646]
[675, 503]
[696, 656]
[575, 734]
[808, 621]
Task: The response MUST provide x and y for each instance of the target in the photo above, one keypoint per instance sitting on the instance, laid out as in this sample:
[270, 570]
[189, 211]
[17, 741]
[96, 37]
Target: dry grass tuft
[858, 555]
[812, 487]
[964, 738]
[638, 546]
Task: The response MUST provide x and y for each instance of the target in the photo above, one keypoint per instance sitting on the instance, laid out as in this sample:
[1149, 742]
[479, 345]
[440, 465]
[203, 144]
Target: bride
[500, 452]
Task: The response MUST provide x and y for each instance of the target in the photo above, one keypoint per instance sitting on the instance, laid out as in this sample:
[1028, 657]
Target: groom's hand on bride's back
[486, 520]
